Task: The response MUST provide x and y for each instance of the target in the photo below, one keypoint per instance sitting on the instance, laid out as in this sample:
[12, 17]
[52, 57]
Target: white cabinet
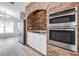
[43, 43]
[30, 39]
[37, 41]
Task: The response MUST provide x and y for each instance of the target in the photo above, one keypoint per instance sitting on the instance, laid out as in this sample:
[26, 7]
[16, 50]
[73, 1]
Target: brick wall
[37, 20]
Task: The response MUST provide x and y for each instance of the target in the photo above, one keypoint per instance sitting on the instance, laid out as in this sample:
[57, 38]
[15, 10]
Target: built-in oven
[62, 19]
[66, 18]
[65, 38]
[63, 35]
[63, 30]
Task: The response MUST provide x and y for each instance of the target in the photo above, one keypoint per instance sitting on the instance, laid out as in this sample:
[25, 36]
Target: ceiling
[15, 9]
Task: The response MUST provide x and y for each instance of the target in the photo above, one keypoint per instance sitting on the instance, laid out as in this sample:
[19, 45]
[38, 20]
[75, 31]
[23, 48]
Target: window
[1, 23]
[1, 26]
[9, 27]
[6, 25]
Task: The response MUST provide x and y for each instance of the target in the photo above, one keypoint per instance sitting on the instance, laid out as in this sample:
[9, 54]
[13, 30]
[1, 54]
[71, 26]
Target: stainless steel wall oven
[64, 36]
[62, 29]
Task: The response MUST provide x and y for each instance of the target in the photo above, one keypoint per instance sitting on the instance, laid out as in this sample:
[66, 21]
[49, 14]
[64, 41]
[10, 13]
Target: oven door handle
[64, 29]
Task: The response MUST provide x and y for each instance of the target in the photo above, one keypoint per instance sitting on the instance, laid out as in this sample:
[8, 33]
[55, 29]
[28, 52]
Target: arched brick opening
[37, 20]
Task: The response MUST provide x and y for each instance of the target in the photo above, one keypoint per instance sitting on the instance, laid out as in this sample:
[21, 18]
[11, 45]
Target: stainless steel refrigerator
[21, 29]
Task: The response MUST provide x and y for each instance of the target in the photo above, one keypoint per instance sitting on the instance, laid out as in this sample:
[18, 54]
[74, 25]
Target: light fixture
[12, 3]
[1, 15]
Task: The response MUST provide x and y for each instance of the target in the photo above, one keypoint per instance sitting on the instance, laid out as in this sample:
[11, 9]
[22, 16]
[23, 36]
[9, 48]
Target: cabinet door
[43, 47]
[38, 42]
[30, 40]
[33, 40]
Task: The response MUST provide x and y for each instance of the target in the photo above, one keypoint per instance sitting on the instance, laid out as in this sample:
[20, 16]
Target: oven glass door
[63, 19]
[64, 36]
